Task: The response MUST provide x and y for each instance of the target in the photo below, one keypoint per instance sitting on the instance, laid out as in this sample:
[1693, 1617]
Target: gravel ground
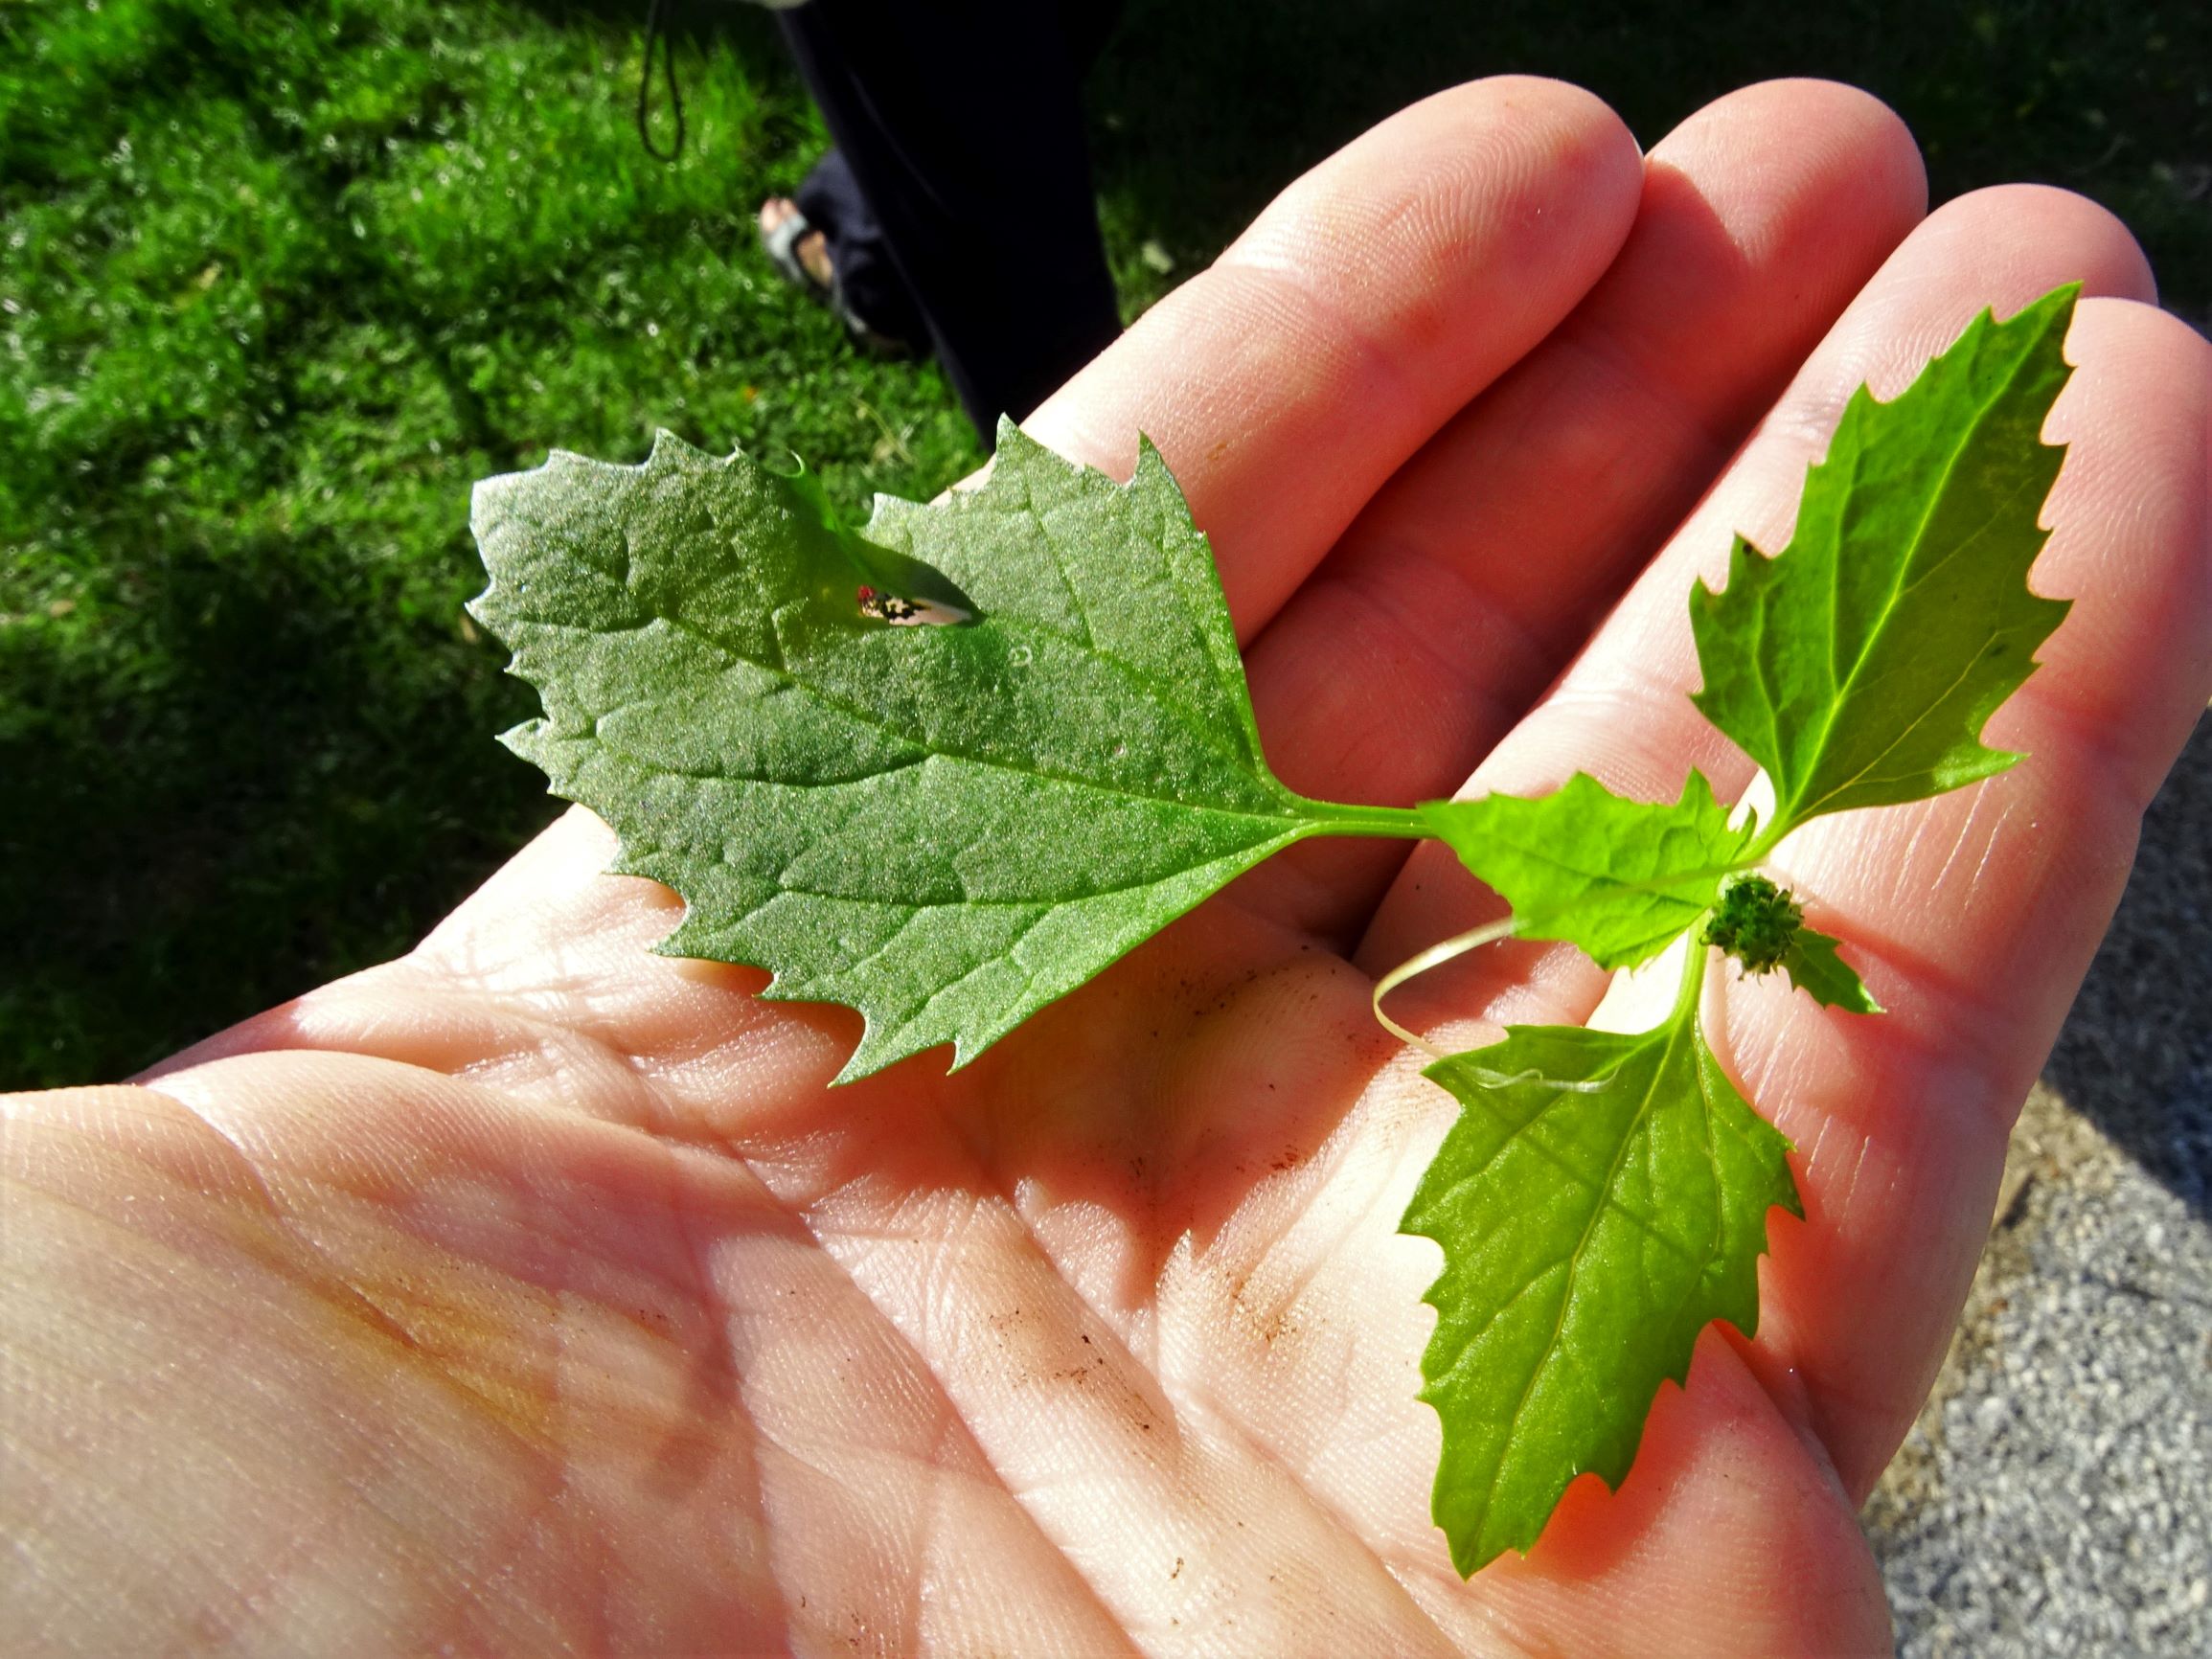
[2056, 1495]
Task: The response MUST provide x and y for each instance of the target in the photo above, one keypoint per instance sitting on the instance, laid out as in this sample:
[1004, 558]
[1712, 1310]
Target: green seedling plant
[946, 767]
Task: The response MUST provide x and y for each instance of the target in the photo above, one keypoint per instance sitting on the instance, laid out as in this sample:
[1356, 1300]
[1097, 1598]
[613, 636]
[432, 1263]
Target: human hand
[535, 1290]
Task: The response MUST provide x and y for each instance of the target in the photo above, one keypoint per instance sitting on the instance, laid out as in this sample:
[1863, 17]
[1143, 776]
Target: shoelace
[656, 35]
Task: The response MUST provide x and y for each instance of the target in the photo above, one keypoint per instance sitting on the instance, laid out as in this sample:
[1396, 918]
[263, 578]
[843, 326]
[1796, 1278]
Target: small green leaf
[1621, 879]
[1860, 666]
[943, 771]
[1814, 968]
[1589, 1234]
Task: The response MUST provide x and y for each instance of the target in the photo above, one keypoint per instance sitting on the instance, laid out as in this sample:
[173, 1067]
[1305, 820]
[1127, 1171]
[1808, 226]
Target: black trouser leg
[961, 121]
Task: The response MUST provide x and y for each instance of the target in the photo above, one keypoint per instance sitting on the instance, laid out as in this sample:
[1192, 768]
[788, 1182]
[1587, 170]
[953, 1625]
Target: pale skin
[534, 1293]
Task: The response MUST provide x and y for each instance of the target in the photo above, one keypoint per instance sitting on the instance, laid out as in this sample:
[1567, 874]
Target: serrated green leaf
[944, 827]
[1860, 666]
[1589, 1234]
[1814, 968]
[1621, 879]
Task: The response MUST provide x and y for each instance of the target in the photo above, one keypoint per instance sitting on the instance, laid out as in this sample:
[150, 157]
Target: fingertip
[1541, 175]
[2140, 327]
[1555, 119]
[1997, 249]
[1844, 125]
[2047, 234]
[2127, 675]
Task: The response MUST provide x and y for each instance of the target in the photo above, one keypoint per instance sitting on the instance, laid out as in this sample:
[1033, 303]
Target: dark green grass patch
[280, 285]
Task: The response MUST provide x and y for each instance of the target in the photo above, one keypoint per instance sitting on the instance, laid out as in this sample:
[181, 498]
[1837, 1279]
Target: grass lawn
[280, 283]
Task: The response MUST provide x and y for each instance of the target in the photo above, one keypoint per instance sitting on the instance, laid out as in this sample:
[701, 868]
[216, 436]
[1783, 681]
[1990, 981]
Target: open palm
[536, 1293]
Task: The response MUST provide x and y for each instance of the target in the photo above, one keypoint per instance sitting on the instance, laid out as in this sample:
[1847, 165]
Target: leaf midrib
[1675, 1032]
[1797, 810]
[861, 717]
[913, 908]
[1934, 705]
[1604, 884]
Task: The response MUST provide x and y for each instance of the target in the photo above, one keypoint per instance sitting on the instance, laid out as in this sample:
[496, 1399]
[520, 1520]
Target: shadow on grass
[1204, 112]
[748, 31]
[276, 800]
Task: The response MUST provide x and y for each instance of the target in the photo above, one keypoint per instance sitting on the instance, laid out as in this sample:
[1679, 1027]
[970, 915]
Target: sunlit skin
[534, 1293]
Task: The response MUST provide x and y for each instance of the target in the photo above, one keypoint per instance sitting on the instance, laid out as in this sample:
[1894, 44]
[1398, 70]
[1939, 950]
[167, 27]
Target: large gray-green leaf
[945, 825]
[1601, 1199]
[1860, 666]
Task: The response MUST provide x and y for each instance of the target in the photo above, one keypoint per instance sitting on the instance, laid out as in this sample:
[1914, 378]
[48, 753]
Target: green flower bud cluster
[1754, 922]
